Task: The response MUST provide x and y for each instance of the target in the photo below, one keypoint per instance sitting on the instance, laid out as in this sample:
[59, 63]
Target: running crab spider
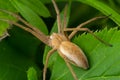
[70, 52]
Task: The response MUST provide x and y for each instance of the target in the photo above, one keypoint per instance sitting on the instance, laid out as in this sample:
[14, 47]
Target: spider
[70, 52]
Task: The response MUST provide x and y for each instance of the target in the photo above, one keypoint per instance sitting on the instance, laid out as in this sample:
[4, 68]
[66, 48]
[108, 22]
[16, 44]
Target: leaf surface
[104, 8]
[29, 14]
[5, 5]
[103, 60]
[32, 74]
[17, 54]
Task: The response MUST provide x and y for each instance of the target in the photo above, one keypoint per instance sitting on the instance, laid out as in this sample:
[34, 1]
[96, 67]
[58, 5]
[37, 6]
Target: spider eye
[51, 37]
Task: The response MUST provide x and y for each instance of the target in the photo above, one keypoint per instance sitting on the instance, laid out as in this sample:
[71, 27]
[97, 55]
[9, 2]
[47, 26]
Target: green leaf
[17, 54]
[31, 16]
[32, 74]
[31, 10]
[13, 65]
[5, 5]
[103, 60]
[104, 8]
[37, 6]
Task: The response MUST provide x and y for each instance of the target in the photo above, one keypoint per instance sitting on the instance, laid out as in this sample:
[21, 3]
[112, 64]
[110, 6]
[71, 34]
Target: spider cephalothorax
[56, 39]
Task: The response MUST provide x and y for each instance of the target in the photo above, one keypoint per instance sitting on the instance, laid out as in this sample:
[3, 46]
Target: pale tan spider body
[56, 39]
[68, 50]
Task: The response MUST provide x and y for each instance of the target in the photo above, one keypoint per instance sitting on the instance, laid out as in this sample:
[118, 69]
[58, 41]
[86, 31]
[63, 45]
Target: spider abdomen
[73, 54]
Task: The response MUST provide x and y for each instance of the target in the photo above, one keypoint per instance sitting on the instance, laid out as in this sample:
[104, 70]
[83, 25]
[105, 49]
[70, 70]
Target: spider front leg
[27, 27]
[88, 30]
[58, 16]
[85, 23]
[46, 62]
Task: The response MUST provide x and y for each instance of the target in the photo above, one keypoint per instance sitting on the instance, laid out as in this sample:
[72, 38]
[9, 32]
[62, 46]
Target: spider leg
[46, 63]
[70, 68]
[58, 16]
[65, 21]
[41, 37]
[4, 35]
[68, 65]
[65, 18]
[85, 23]
[22, 20]
[88, 30]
